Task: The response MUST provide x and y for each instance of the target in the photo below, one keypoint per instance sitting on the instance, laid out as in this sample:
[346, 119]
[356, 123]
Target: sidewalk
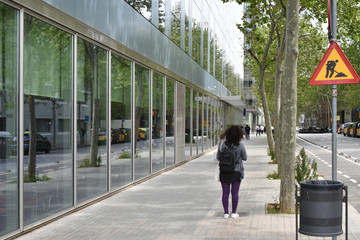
[185, 204]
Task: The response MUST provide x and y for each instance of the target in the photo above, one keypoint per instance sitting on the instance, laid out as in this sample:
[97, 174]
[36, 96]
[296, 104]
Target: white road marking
[346, 176]
[354, 181]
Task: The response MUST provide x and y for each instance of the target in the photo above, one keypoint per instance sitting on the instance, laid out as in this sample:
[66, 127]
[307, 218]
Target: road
[318, 148]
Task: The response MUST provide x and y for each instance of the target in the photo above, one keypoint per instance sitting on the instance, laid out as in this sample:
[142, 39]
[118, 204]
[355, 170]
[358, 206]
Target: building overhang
[233, 101]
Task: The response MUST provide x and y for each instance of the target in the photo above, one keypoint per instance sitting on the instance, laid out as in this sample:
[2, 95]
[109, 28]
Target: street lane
[318, 148]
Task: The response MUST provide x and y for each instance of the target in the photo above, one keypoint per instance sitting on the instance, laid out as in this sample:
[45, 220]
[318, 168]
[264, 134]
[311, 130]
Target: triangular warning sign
[334, 68]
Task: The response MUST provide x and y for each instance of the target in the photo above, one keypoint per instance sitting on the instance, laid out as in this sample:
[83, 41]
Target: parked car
[357, 130]
[102, 138]
[340, 128]
[115, 135]
[143, 134]
[346, 128]
[124, 135]
[42, 143]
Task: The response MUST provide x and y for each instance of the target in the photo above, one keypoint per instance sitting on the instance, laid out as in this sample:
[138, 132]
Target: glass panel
[205, 45]
[143, 7]
[9, 209]
[162, 15]
[187, 24]
[206, 122]
[194, 122]
[48, 166]
[217, 131]
[187, 123]
[158, 123]
[201, 123]
[91, 120]
[196, 33]
[175, 21]
[210, 123]
[142, 100]
[170, 155]
[212, 53]
[121, 164]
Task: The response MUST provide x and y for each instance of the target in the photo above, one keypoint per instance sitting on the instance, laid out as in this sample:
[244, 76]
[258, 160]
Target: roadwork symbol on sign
[334, 68]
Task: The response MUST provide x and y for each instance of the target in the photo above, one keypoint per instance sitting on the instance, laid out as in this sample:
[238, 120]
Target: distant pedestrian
[230, 181]
[257, 128]
[247, 131]
[262, 129]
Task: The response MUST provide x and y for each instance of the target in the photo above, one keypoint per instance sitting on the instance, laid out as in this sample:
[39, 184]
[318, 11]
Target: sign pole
[333, 16]
[333, 29]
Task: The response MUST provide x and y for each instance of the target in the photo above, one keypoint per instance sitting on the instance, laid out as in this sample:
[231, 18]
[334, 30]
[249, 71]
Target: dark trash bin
[321, 208]
[4, 143]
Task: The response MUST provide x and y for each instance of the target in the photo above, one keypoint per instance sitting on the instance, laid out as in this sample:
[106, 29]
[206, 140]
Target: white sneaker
[226, 216]
[234, 215]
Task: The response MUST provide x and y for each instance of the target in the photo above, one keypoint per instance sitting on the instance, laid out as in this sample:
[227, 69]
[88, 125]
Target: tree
[288, 107]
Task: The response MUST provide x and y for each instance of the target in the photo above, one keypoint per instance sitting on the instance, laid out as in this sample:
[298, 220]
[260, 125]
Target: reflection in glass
[206, 123]
[212, 51]
[8, 120]
[176, 21]
[205, 45]
[195, 122]
[142, 127]
[121, 164]
[210, 123]
[201, 124]
[187, 122]
[143, 7]
[196, 33]
[91, 120]
[157, 153]
[47, 120]
[170, 122]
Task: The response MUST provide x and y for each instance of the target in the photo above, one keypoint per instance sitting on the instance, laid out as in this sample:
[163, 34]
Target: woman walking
[230, 181]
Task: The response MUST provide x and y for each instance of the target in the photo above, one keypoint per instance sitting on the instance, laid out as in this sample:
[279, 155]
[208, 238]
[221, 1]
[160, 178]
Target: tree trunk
[95, 133]
[32, 140]
[269, 134]
[288, 107]
[277, 98]
[54, 122]
[262, 67]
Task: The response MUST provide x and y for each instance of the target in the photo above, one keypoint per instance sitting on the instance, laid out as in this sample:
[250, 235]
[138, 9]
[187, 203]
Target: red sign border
[334, 46]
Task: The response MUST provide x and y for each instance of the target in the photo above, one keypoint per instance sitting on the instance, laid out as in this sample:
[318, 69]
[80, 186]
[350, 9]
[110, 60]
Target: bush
[86, 162]
[127, 154]
[273, 175]
[272, 156]
[306, 168]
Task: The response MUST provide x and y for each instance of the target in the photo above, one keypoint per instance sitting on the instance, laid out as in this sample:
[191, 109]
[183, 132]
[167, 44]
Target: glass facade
[157, 153]
[48, 84]
[86, 110]
[91, 105]
[170, 123]
[121, 151]
[9, 168]
[142, 122]
[188, 122]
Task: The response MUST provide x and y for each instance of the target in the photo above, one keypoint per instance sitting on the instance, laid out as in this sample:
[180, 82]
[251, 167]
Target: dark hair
[233, 134]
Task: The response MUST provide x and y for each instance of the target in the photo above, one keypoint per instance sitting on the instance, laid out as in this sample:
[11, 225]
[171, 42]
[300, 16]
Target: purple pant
[234, 188]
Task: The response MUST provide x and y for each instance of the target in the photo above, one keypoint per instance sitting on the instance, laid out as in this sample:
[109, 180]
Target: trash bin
[321, 208]
[4, 140]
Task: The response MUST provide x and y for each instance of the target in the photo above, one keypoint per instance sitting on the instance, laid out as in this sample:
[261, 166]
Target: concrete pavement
[185, 203]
